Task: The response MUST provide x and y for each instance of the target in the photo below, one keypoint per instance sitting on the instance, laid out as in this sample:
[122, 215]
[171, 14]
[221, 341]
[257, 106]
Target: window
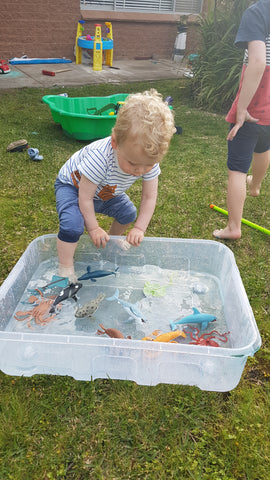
[147, 6]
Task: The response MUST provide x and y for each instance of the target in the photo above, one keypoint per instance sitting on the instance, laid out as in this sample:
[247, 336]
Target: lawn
[57, 428]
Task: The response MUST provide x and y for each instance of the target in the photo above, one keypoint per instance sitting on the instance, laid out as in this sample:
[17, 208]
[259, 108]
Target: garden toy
[4, 68]
[243, 220]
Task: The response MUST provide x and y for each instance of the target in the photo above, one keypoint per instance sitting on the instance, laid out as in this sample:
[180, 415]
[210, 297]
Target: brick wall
[48, 28]
[45, 28]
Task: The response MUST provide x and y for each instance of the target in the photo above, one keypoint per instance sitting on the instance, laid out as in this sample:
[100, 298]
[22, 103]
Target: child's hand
[99, 237]
[135, 236]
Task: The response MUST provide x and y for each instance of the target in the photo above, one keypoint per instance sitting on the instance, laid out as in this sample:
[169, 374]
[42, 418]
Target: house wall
[45, 29]
[42, 29]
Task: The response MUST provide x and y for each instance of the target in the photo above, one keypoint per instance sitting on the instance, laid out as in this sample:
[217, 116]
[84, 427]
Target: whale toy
[96, 274]
[131, 308]
[196, 317]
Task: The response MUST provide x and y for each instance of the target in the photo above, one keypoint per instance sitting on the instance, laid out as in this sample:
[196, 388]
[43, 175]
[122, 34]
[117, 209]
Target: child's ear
[113, 141]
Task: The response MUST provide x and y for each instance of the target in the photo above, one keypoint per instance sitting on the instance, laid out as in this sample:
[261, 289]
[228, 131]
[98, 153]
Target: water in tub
[141, 300]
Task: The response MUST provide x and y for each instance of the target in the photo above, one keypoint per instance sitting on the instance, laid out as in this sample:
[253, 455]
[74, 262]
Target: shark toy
[129, 307]
[196, 317]
[96, 274]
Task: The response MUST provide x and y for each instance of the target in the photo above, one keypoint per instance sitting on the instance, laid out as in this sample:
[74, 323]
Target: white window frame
[183, 7]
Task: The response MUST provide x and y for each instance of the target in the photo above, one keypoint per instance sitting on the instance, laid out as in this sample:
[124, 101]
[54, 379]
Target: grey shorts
[250, 138]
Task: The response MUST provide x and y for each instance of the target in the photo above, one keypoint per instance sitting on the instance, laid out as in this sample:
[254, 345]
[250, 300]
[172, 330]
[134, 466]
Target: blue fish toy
[131, 308]
[96, 274]
[196, 317]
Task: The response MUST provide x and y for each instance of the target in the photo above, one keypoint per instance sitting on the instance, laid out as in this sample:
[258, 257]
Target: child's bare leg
[236, 195]
[117, 228]
[66, 252]
[260, 165]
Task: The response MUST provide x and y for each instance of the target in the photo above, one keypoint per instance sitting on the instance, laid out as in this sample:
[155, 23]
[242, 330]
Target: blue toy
[195, 317]
[129, 307]
[96, 274]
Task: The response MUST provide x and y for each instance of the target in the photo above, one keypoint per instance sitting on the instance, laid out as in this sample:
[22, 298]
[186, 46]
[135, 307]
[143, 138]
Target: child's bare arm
[87, 191]
[252, 78]
[147, 207]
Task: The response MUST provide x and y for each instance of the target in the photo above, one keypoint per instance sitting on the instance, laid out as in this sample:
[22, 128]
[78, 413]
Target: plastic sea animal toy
[165, 337]
[68, 292]
[196, 317]
[131, 308]
[96, 274]
[207, 338]
[155, 289]
[89, 308]
[111, 332]
[40, 313]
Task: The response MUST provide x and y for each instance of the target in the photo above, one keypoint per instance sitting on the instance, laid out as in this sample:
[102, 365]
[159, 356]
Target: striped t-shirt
[255, 25]
[98, 162]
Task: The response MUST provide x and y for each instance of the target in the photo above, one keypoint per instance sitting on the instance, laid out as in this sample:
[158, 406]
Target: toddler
[95, 179]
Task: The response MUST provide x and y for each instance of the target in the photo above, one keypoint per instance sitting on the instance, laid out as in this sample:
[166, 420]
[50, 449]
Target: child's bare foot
[227, 234]
[69, 272]
[254, 192]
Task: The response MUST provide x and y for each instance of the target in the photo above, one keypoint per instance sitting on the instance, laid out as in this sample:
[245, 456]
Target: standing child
[249, 117]
[95, 178]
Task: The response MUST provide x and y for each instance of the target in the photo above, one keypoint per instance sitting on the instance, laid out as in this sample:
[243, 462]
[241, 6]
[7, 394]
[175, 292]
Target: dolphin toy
[195, 317]
[96, 274]
[68, 292]
[129, 307]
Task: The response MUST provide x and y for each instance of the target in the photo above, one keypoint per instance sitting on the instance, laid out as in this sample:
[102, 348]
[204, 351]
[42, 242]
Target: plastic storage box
[85, 118]
[195, 273]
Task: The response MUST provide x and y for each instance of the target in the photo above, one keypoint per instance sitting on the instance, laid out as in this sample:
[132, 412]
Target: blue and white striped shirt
[98, 162]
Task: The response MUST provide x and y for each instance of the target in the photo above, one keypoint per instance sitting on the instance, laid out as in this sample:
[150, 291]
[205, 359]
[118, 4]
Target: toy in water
[199, 289]
[40, 313]
[111, 332]
[196, 317]
[69, 292]
[89, 275]
[4, 68]
[89, 308]
[131, 308]
[155, 290]
[243, 220]
[207, 338]
[164, 337]
[56, 282]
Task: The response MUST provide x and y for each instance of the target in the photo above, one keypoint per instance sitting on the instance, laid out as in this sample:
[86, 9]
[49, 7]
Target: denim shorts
[71, 220]
[250, 138]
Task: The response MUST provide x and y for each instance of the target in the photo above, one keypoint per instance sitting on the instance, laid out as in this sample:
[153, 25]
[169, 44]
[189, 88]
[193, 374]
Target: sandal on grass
[17, 146]
[34, 154]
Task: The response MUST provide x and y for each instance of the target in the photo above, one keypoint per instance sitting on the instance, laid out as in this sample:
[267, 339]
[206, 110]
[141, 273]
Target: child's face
[132, 159]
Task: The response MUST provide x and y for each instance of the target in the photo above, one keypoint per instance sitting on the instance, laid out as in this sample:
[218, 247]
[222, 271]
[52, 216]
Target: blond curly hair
[146, 119]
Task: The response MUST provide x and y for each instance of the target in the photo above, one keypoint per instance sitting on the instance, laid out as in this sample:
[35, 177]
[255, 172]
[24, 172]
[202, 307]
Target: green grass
[57, 428]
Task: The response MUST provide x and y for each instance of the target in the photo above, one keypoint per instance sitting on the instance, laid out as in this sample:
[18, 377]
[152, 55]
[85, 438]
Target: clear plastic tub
[197, 274]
